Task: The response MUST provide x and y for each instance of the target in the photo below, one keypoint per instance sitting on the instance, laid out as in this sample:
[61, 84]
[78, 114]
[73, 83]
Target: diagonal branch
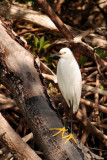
[57, 21]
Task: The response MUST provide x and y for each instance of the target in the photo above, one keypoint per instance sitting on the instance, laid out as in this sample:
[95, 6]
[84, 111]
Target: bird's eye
[63, 52]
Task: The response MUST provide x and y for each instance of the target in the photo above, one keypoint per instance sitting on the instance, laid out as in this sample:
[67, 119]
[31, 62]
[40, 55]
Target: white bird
[69, 81]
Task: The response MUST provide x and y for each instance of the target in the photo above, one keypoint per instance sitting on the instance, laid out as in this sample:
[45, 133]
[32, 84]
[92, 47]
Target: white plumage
[70, 84]
[69, 78]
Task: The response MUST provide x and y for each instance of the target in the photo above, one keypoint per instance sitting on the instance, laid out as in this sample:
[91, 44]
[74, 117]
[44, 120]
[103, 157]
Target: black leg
[70, 136]
[66, 122]
[71, 114]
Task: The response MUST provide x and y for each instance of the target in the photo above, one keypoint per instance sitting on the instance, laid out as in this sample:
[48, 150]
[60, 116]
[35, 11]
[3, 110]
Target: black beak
[55, 55]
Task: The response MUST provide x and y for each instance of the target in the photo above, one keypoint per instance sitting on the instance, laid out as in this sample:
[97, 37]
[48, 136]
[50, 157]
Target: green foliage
[101, 86]
[83, 60]
[52, 89]
[47, 58]
[38, 45]
[54, 65]
[41, 44]
[101, 53]
[36, 41]
[30, 3]
[29, 39]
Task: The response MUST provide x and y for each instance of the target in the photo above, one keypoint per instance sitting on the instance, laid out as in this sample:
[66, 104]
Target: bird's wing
[71, 93]
[69, 81]
[77, 95]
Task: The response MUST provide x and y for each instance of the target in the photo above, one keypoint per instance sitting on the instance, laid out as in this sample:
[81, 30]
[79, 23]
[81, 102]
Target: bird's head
[64, 52]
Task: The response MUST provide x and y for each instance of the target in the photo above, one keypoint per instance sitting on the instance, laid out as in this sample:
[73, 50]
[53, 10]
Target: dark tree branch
[57, 21]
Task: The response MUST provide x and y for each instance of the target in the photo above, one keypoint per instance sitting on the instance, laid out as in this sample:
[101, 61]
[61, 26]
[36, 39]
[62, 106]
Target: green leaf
[46, 45]
[30, 3]
[36, 40]
[83, 60]
[33, 52]
[46, 42]
[41, 42]
[53, 64]
[30, 38]
[99, 50]
[101, 53]
[97, 54]
[45, 59]
[101, 86]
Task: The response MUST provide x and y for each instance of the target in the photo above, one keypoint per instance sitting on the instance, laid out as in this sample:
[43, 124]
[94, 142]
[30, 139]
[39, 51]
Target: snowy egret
[70, 84]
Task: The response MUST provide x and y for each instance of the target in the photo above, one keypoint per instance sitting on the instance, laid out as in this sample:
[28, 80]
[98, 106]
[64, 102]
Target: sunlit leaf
[53, 64]
[41, 42]
[97, 54]
[46, 45]
[30, 3]
[36, 40]
[46, 42]
[45, 59]
[101, 86]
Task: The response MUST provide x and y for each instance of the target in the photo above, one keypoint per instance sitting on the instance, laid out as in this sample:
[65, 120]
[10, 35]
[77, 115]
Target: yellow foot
[70, 136]
[63, 130]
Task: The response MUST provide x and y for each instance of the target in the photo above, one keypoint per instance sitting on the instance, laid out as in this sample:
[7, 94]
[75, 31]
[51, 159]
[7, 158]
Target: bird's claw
[70, 136]
[63, 130]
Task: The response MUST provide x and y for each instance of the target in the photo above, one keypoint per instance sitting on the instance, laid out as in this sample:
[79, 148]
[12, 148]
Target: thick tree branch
[57, 21]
